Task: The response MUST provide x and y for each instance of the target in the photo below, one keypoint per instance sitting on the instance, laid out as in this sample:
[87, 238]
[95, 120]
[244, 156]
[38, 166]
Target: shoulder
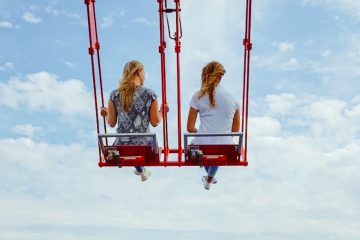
[194, 100]
[146, 91]
[221, 90]
[114, 94]
[230, 98]
[195, 95]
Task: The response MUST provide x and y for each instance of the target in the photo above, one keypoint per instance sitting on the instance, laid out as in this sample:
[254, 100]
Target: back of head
[210, 78]
[127, 85]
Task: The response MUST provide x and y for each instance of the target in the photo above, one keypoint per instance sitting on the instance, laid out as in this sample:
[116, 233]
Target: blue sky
[302, 181]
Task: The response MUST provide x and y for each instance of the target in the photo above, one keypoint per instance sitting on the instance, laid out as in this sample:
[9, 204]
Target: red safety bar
[148, 155]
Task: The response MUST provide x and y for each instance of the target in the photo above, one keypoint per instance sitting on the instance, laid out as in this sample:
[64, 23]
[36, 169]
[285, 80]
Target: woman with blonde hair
[218, 110]
[133, 107]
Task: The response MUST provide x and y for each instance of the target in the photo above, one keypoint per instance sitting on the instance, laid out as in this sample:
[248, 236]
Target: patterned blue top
[136, 120]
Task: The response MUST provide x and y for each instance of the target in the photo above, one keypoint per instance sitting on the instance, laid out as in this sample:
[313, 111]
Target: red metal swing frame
[192, 155]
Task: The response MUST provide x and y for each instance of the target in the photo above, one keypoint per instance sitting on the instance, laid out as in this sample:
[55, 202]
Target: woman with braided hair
[133, 107]
[218, 110]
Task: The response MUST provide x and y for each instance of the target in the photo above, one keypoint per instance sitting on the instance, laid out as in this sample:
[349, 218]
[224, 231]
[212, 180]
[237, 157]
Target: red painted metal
[92, 37]
[177, 51]
[246, 76]
[97, 47]
[140, 155]
[163, 78]
[131, 155]
[219, 155]
[224, 154]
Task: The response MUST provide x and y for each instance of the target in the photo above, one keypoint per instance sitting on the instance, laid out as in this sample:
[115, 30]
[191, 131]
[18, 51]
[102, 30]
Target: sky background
[303, 178]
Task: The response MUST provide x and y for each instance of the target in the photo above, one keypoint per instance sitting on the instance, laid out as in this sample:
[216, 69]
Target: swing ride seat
[128, 155]
[152, 155]
[213, 154]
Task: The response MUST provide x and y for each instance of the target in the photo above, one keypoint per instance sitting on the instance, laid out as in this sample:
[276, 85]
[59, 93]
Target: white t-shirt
[215, 120]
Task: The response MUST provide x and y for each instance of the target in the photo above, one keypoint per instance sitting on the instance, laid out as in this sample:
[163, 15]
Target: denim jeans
[211, 170]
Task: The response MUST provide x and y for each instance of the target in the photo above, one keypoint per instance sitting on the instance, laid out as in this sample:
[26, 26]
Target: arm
[236, 122]
[110, 113]
[192, 120]
[155, 115]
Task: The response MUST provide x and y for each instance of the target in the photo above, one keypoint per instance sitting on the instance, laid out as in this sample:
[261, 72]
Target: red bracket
[162, 47]
[91, 51]
[97, 45]
[247, 44]
[177, 49]
[87, 2]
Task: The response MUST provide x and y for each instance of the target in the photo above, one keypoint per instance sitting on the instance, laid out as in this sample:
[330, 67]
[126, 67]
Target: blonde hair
[127, 85]
[210, 78]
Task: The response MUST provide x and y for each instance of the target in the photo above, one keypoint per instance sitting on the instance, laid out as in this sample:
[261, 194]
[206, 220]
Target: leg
[210, 178]
[211, 173]
[142, 172]
[213, 170]
[139, 170]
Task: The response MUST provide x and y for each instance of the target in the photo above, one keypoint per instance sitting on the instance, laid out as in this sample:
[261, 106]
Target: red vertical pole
[97, 47]
[163, 78]
[247, 49]
[177, 50]
[91, 52]
[244, 70]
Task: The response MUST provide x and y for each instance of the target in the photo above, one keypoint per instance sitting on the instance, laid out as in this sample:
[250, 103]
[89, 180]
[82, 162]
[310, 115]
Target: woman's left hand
[164, 106]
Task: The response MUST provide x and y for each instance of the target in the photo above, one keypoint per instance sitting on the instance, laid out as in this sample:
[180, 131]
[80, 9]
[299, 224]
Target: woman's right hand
[104, 111]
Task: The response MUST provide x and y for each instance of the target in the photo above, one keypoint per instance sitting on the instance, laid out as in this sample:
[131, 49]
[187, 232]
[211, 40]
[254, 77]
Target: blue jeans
[211, 170]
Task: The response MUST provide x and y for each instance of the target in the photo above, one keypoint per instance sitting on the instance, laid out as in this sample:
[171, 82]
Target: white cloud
[341, 63]
[284, 47]
[329, 120]
[291, 64]
[34, 8]
[330, 110]
[57, 12]
[5, 24]
[349, 6]
[26, 130]
[109, 20]
[310, 116]
[278, 62]
[326, 53]
[264, 126]
[8, 66]
[144, 21]
[285, 184]
[70, 64]
[31, 18]
[354, 111]
[282, 103]
[44, 91]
